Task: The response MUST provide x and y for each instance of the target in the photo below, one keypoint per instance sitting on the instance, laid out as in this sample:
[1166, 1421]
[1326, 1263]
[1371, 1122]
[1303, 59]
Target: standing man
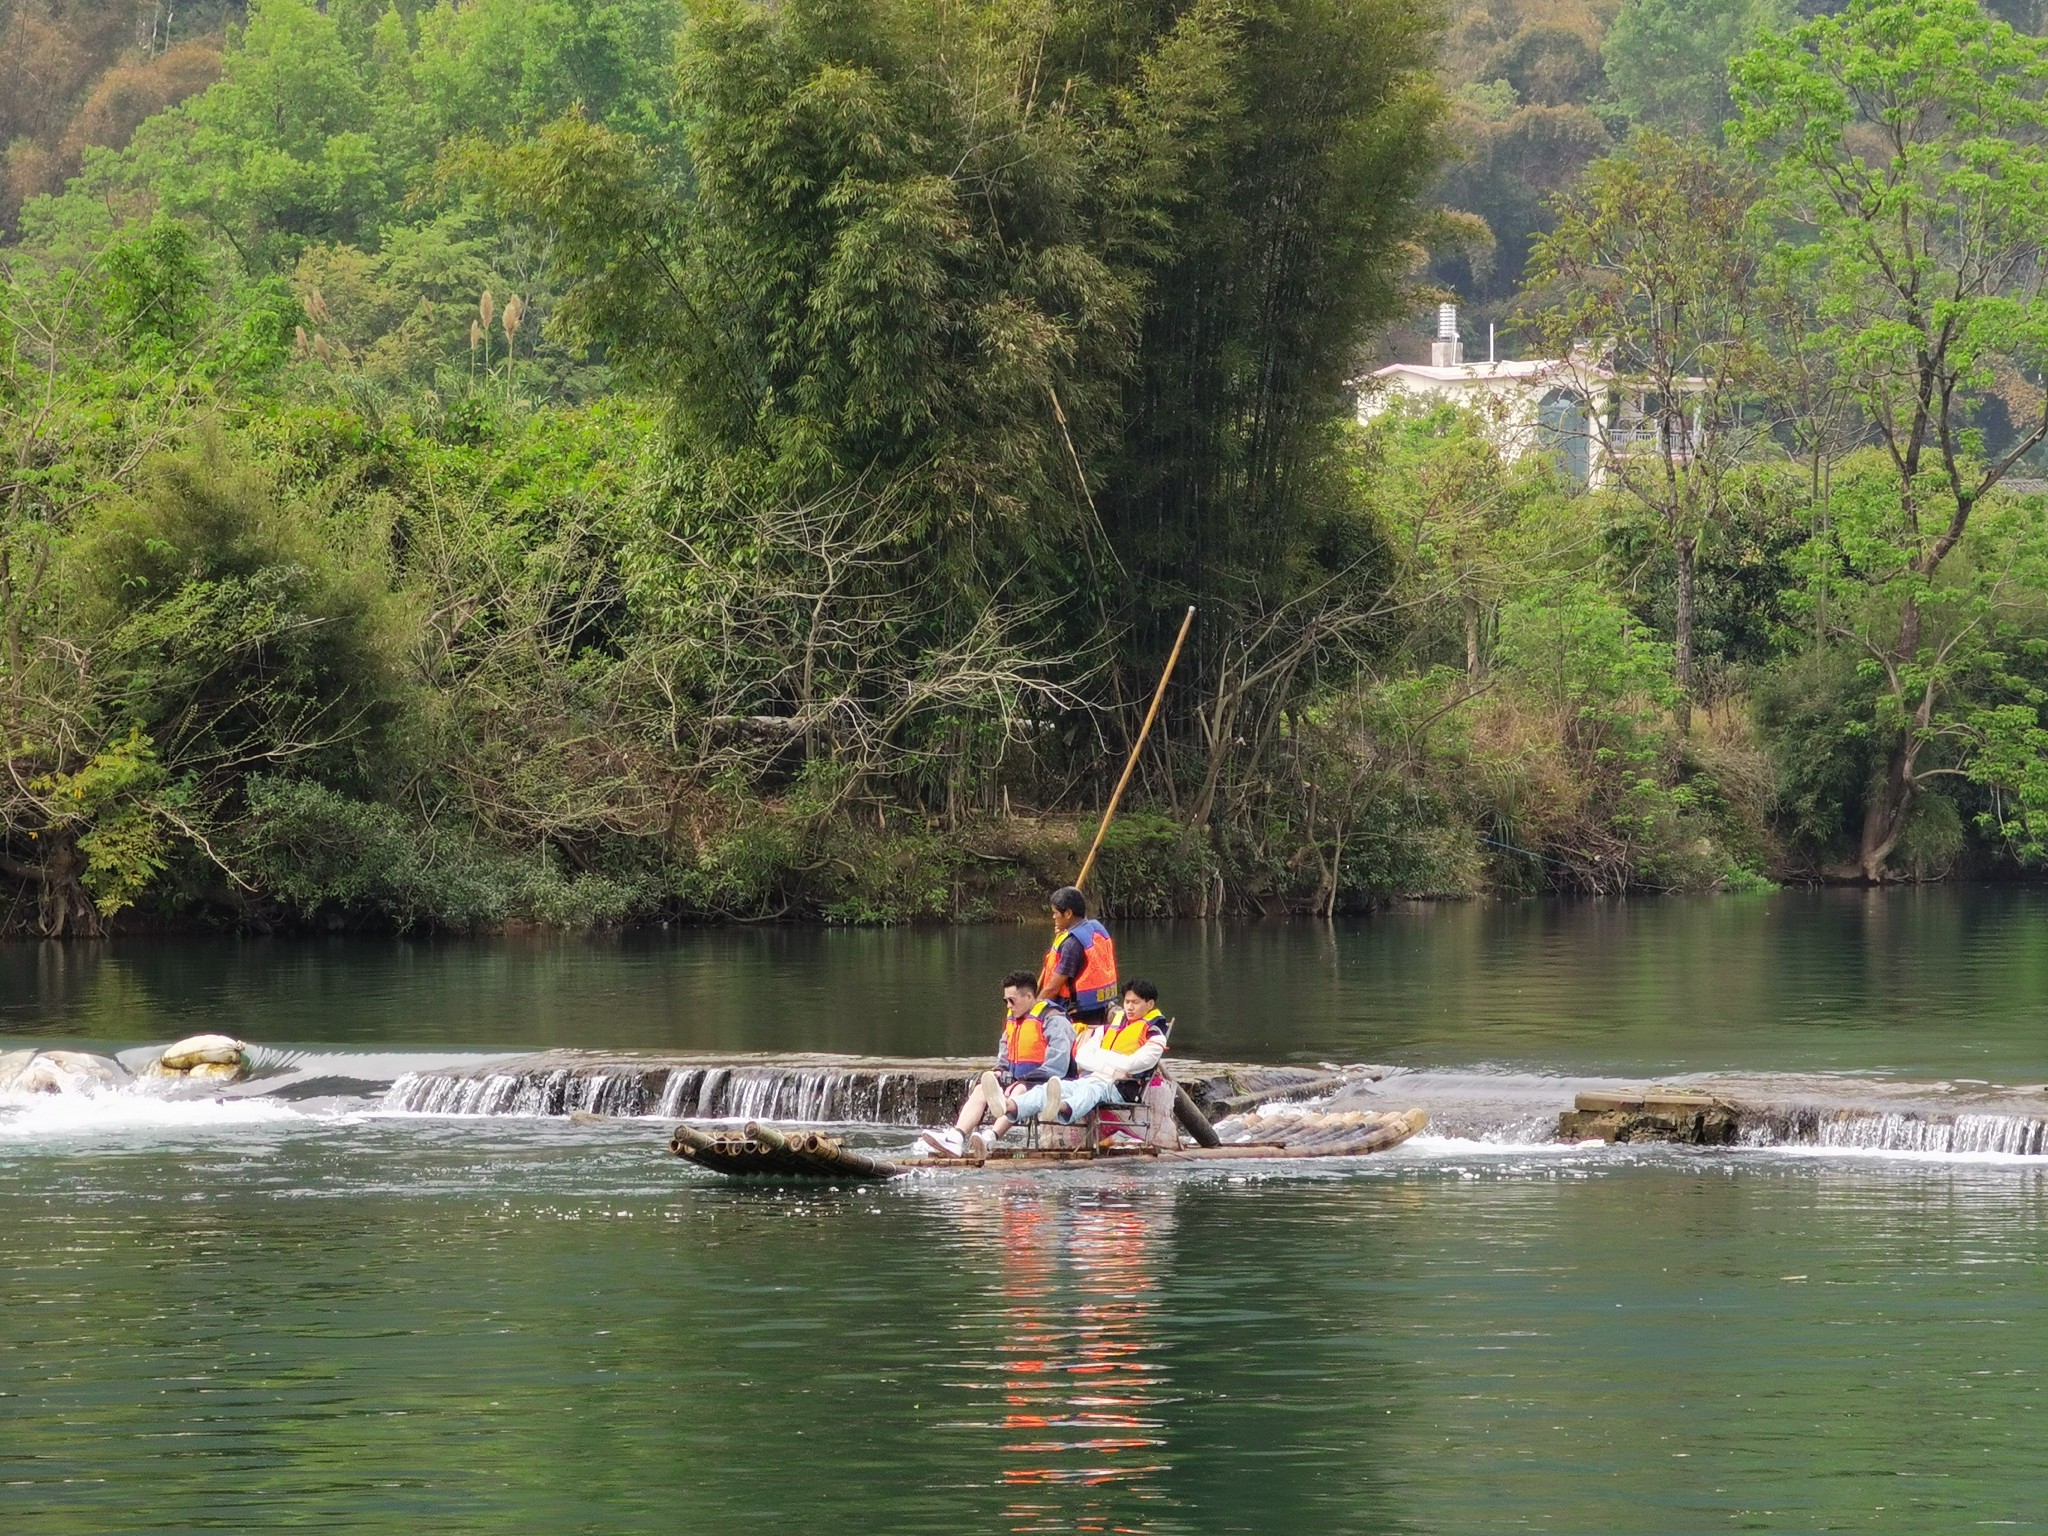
[1079, 972]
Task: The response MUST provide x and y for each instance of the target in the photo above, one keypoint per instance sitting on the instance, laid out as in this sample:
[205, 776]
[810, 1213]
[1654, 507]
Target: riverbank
[322, 868]
[902, 872]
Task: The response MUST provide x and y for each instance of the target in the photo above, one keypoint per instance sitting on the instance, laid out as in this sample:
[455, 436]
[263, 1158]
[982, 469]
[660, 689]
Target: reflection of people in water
[1076, 1349]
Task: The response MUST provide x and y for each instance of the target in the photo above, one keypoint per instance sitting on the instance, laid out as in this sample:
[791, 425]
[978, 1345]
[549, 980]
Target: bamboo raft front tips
[763, 1151]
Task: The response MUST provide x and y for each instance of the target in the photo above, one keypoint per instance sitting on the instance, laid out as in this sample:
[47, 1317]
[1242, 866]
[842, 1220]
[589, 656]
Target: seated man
[1116, 1059]
[1036, 1052]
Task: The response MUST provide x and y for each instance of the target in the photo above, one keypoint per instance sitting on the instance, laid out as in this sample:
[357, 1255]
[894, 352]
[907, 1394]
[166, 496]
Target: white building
[1572, 407]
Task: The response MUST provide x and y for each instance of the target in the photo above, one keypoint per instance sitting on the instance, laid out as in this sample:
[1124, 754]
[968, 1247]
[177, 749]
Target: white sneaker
[1051, 1113]
[942, 1143]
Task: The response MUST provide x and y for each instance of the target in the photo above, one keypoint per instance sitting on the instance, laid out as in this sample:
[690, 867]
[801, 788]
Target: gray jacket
[1059, 1051]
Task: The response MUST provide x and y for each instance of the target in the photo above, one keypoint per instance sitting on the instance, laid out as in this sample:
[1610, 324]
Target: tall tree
[894, 256]
[1651, 277]
[1039, 273]
[1293, 235]
[1907, 143]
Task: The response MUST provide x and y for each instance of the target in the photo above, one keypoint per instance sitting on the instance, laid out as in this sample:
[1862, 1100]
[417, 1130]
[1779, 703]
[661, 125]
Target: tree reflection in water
[1071, 1349]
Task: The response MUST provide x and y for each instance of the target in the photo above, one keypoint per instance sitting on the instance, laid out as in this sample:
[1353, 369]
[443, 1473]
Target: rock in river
[59, 1072]
[203, 1058]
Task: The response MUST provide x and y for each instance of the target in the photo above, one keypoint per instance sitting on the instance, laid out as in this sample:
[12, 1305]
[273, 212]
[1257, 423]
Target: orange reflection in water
[1071, 1349]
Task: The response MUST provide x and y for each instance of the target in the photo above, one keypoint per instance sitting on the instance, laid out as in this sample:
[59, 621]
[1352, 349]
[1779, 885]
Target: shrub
[326, 855]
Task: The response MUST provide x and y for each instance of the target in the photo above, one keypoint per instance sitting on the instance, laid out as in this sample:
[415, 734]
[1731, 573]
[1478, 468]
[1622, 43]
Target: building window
[1563, 434]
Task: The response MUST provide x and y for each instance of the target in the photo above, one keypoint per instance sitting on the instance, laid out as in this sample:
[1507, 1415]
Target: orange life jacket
[1024, 1039]
[1096, 986]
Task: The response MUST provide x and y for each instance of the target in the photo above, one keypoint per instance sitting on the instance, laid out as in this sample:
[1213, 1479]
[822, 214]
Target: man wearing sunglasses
[1036, 1053]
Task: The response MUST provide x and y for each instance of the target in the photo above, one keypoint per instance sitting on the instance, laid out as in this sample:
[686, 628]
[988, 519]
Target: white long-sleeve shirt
[1114, 1066]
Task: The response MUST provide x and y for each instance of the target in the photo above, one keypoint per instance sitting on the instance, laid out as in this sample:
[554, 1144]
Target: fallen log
[1305, 1088]
[1392, 1130]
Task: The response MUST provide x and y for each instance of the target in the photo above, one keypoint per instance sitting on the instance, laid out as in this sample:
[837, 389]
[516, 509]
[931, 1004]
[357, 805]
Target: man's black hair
[1022, 979]
[1068, 899]
[1144, 989]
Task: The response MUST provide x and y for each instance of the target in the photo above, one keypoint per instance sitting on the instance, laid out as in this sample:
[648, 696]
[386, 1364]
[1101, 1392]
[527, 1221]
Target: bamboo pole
[689, 1136]
[846, 1160]
[1130, 766]
[1191, 1118]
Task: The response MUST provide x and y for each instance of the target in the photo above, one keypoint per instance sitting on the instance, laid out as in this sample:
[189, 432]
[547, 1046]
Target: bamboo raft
[766, 1151]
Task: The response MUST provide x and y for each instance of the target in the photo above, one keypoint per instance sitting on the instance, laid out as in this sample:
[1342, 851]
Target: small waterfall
[1896, 1131]
[818, 1090]
[741, 1091]
[560, 1092]
[822, 1095]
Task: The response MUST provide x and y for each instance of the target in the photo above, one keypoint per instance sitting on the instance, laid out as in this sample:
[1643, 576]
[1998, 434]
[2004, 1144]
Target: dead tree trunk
[64, 908]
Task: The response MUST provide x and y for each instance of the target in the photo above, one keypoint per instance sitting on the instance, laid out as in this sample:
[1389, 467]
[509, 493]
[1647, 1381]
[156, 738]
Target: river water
[278, 1312]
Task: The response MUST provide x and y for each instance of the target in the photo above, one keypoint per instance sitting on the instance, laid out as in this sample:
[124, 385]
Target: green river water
[268, 1314]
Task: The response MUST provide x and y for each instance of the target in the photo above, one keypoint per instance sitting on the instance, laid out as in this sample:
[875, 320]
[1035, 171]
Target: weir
[1893, 1131]
[1852, 1115]
[1760, 1110]
[813, 1089]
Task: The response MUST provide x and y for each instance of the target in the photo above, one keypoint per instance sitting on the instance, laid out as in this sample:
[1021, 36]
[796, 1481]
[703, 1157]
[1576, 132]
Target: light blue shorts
[1079, 1099]
[1078, 1096]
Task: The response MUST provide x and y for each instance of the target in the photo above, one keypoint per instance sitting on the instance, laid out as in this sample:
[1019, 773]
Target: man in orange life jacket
[1078, 976]
[1037, 1051]
[1079, 971]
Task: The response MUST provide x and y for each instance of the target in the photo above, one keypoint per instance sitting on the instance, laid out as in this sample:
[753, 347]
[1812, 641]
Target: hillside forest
[578, 463]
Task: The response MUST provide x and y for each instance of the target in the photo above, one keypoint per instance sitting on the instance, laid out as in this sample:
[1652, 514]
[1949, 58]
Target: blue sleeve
[1073, 957]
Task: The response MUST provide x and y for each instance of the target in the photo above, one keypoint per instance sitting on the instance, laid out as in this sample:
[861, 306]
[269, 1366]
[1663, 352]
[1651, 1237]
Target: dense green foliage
[528, 460]
[600, 461]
